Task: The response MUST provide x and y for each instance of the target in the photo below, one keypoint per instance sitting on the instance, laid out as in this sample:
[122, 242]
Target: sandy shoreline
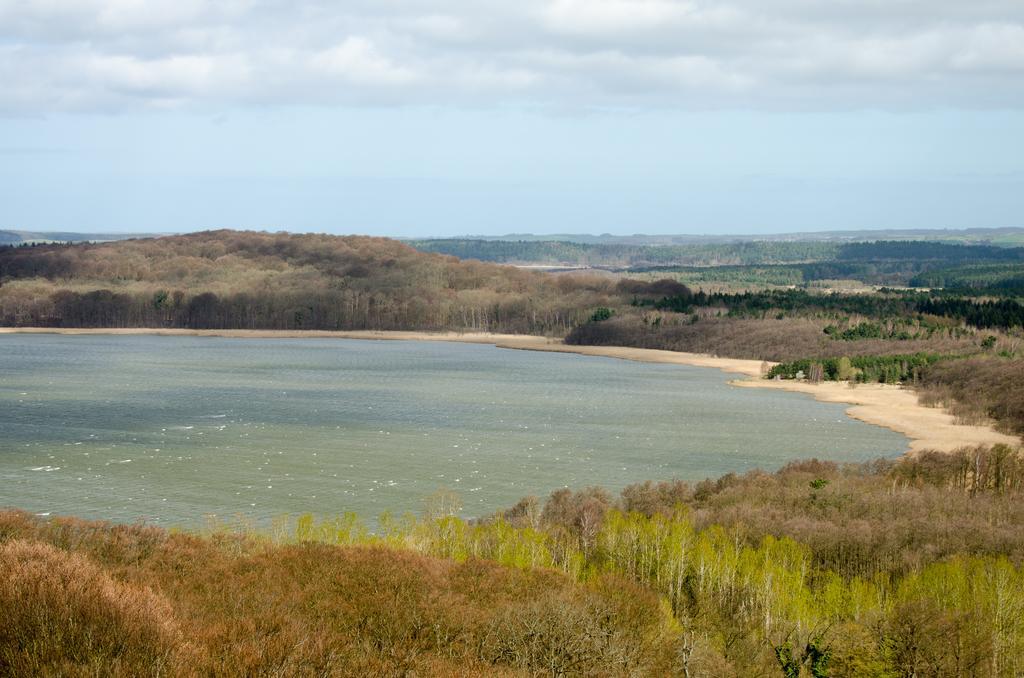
[892, 407]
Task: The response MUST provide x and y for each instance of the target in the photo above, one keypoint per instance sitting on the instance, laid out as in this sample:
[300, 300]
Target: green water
[171, 429]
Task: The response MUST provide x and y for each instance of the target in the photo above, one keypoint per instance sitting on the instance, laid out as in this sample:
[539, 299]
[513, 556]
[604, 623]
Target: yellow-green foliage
[645, 596]
[735, 603]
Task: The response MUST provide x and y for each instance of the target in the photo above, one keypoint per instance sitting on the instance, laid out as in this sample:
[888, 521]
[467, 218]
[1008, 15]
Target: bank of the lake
[889, 406]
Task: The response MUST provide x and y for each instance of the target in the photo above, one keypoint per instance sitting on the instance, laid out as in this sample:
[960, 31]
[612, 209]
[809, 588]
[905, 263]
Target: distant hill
[876, 262]
[1005, 237]
[20, 237]
[235, 279]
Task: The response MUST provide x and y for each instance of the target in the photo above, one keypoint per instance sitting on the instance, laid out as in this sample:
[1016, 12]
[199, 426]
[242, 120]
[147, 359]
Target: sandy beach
[928, 428]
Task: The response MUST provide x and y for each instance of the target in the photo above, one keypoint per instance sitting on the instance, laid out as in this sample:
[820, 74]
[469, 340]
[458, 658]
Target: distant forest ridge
[1005, 237]
[997, 270]
[29, 237]
[245, 279]
[1001, 237]
[920, 255]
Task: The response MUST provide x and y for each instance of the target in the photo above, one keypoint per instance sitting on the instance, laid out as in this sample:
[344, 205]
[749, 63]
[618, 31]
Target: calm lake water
[170, 429]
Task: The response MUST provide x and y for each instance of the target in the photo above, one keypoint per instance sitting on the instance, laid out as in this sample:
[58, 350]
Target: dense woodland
[885, 305]
[988, 279]
[909, 568]
[246, 280]
[629, 256]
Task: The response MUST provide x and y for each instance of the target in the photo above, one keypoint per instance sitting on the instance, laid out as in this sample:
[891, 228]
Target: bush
[259, 608]
[63, 614]
[608, 634]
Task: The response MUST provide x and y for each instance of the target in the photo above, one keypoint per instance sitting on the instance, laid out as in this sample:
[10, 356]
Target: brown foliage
[980, 388]
[786, 339]
[582, 633]
[63, 615]
[118, 603]
[583, 511]
[248, 280]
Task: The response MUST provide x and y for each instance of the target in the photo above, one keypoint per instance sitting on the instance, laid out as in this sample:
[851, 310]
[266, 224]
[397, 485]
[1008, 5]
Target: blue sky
[413, 119]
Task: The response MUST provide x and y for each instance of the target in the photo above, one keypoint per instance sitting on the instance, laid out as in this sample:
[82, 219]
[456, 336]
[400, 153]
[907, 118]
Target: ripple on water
[407, 418]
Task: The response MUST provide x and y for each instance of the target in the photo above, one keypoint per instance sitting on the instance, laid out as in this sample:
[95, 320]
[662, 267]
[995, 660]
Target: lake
[171, 429]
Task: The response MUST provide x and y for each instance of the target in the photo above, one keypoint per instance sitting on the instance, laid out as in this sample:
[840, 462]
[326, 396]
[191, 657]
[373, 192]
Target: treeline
[1002, 313]
[902, 568]
[244, 280]
[880, 262]
[900, 330]
[858, 520]
[227, 279]
[28, 238]
[629, 256]
[1001, 279]
[791, 300]
[326, 310]
[889, 369]
[978, 389]
[922, 250]
[775, 338]
[988, 279]
[882, 272]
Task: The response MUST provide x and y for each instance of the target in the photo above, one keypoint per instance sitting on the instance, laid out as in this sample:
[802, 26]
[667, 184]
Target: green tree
[844, 369]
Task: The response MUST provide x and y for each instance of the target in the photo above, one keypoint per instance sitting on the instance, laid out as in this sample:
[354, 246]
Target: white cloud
[67, 55]
[357, 60]
[993, 47]
[609, 17]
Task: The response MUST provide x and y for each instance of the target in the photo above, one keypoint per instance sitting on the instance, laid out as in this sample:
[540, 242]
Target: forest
[248, 280]
[988, 279]
[887, 304]
[893, 262]
[889, 568]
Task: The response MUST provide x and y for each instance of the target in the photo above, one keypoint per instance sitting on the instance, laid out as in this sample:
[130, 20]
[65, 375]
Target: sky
[452, 117]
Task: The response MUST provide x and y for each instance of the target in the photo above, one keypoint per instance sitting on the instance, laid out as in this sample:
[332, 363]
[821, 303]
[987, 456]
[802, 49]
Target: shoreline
[888, 406]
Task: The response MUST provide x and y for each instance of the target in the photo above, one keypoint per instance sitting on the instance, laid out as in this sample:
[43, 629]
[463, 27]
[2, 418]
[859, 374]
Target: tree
[815, 655]
[844, 369]
[442, 504]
